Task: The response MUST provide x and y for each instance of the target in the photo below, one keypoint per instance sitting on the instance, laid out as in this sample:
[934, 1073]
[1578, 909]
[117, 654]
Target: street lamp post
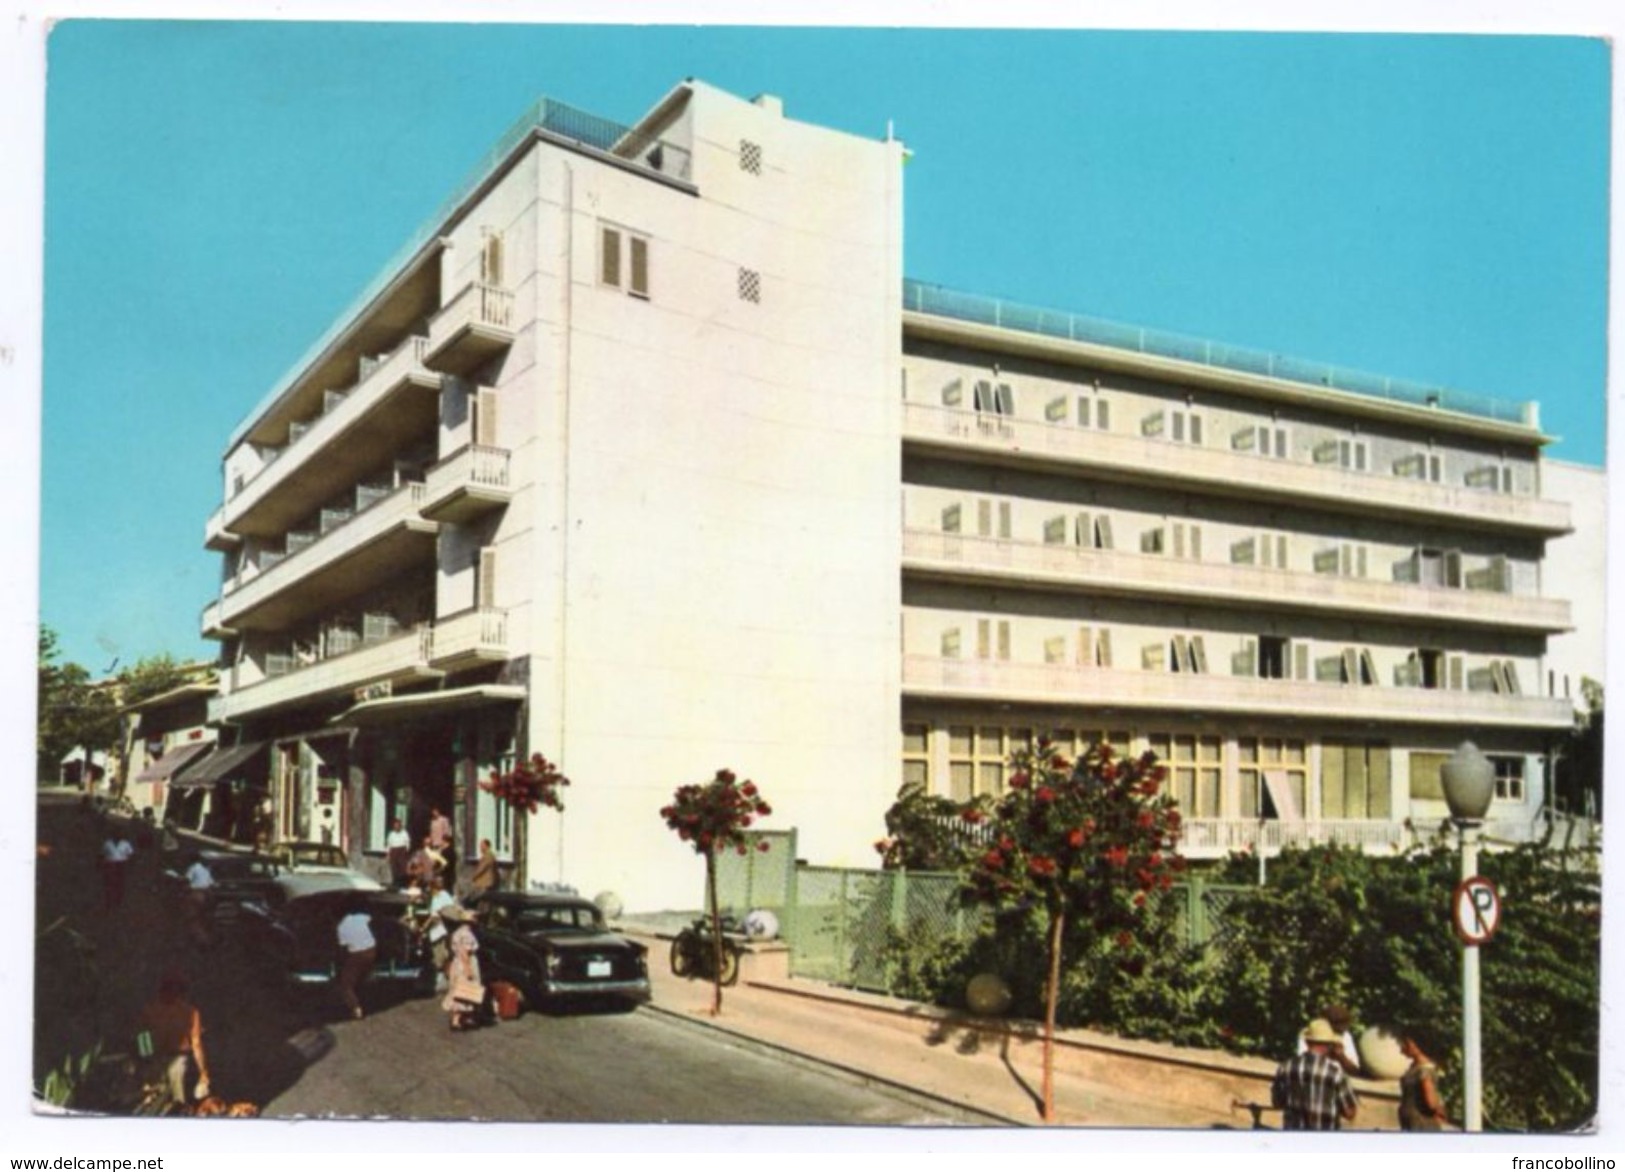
[1469, 785]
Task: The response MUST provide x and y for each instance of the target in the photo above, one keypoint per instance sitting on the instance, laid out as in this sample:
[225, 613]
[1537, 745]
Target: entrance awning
[389, 709]
[172, 762]
[217, 766]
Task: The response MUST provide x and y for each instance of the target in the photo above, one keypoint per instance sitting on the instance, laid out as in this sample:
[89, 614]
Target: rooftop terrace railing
[938, 301]
[555, 119]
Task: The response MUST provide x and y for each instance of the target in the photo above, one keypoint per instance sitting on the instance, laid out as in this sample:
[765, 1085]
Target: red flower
[1042, 865]
[1044, 794]
[1117, 856]
[1018, 780]
[1058, 762]
[763, 845]
[748, 789]
[971, 814]
[1074, 837]
[1124, 940]
[726, 776]
[993, 860]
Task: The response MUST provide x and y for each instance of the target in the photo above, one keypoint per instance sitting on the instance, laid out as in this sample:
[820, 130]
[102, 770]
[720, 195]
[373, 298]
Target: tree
[1091, 841]
[1579, 770]
[150, 676]
[72, 711]
[713, 818]
[924, 832]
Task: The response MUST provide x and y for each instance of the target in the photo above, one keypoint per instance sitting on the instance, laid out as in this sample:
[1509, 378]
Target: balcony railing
[1118, 688]
[475, 635]
[1211, 837]
[467, 482]
[252, 588]
[472, 326]
[1061, 566]
[401, 366]
[402, 658]
[937, 301]
[1227, 472]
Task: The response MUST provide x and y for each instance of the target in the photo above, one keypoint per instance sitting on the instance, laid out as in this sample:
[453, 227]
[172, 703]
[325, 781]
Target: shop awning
[217, 766]
[388, 709]
[172, 762]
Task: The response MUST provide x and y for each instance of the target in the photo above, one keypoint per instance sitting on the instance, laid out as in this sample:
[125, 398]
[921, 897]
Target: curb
[864, 1076]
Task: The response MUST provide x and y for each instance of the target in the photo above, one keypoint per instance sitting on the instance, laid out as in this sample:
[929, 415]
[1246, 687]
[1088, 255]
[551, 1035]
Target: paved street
[640, 1067]
[294, 1056]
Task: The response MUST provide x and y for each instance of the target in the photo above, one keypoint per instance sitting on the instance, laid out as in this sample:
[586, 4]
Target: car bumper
[401, 972]
[631, 990]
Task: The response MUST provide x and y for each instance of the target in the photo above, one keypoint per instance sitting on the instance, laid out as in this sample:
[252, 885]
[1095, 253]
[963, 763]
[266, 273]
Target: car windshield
[558, 919]
[314, 855]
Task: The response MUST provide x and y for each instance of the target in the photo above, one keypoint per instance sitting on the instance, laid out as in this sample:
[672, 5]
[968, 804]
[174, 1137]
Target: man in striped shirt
[1311, 1088]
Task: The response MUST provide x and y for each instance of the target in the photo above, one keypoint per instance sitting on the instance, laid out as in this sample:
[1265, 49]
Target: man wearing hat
[1311, 1087]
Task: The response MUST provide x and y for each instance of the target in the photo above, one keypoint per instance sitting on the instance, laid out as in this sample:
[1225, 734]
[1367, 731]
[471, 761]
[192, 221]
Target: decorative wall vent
[750, 156]
[750, 286]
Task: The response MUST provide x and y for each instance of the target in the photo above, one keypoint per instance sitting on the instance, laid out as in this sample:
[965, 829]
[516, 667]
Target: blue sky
[1428, 207]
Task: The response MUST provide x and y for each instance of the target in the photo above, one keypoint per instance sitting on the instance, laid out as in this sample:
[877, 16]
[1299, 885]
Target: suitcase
[506, 998]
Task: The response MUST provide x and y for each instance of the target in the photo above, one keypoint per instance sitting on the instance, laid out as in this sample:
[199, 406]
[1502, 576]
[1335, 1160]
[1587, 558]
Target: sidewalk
[991, 1067]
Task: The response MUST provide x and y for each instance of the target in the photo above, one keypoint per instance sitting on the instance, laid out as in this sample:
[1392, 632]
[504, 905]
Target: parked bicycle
[693, 951]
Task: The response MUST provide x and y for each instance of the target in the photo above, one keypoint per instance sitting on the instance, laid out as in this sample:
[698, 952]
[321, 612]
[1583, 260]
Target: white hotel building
[645, 456]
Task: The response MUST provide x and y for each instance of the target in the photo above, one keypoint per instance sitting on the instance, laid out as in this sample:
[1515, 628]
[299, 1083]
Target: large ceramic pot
[987, 995]
[1380, 1055]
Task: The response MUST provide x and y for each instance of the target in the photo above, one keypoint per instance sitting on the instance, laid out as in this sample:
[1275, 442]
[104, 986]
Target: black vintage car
[557, 950]
[295, 931]
[239, 878]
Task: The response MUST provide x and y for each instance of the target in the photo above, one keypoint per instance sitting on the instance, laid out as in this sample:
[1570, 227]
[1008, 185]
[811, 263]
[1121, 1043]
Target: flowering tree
[1086, 840]
[713, 818]
[526, 788]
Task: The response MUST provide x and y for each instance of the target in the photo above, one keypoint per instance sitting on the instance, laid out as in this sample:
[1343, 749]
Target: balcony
[470, 481]
[1216, 837]
[1005, 439]
[399, 660]
[1071, 568]
[470, 639]
[1116, 688]
[474, 325]
[396, 402]
[210, 624]
[366, 548]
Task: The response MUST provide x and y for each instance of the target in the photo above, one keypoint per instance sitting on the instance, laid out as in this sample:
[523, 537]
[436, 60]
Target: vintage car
[557, 950]
[240, 877]
[295, 930]
[320, 858]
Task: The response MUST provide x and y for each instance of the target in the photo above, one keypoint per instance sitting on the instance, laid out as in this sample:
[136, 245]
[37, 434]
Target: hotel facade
[645, 455]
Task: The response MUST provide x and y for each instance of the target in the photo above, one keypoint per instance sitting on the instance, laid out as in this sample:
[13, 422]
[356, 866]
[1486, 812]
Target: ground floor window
[916, 755]
[1355, 780]
[494, 819]
[1508, 779]
[1259, 757]
[1195, 763]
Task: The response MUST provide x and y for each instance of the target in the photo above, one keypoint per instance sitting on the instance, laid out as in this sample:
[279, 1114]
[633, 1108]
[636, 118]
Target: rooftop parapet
[920, 297]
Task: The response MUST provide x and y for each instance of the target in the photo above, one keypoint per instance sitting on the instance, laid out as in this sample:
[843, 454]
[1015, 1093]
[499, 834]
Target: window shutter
[951, 519]
[1179, 539]
[1086, 647]
[984, 638]
[1055, 531]
[1379, 789]
[1514, 688]
[950, 643]
[953, 393]
[1280, 552]
[1196, 429]
[1243, 553]
[1452, 568]
[1104, 525]
[1359, 561]
[1083, 530]
[1103, 647]
[485, 418]
[1055, 649]
[1196, 543]
[1199, 654]
[984, 395]
[1245, 661]
[1083, 411]
[486, 587]
[1280, 443]
[1007, 400]
[1351, 666]
[1300, 661]
[1326, 561]
[1103, 416]
[1154, 657]
[1368, 667]
[1333, 788]
[1178, 430]
[1055, 409]
[610, 272]
[1004, 640]
[491, 259]
[1004, 520]
[1181, 655]
[640, 266]
[1246, 439]
[1455, 673]
[984, 518]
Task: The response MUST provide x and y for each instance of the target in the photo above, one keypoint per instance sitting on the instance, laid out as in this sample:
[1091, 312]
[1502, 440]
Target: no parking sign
[1476, 910]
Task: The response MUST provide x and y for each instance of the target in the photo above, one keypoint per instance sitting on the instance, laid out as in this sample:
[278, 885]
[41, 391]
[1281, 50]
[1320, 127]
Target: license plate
[598, 968]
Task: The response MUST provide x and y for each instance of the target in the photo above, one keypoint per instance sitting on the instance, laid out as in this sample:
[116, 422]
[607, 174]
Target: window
[950, 643]
[1508, 779]
[984, 519]
[1092, 531]
[1427, 776]
[484, 429]
[1429, 668]
[953, 392]
[1094, 412]
[494, 819]
[951, 519]
[485, 582]
[1261, 439]
[995, 399]
[623, 261]
[1287, 760]
[1349, 561]
[1055, 649]
[1420, 466]
[1175, 424]
[1195, 764]
[1271, 658]
[1055, 409]
[916, 755]
[1499, 676]
[1355, 780]
[1490, 478]
[490, 257]
[1353, 454]
[984, 639]
[977, 758]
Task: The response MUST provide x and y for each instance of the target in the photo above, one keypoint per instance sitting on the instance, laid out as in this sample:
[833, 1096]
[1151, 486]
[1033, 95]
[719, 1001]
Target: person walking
[441, 907]
[358, 949]
[465, 993]
[441, 845]
[1311, 1088]
[199, 897]
[1420, 1108]
[116, 855]
[170, 1033]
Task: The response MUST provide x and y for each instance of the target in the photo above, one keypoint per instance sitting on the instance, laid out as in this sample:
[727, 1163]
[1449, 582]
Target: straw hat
[1320, 1030]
